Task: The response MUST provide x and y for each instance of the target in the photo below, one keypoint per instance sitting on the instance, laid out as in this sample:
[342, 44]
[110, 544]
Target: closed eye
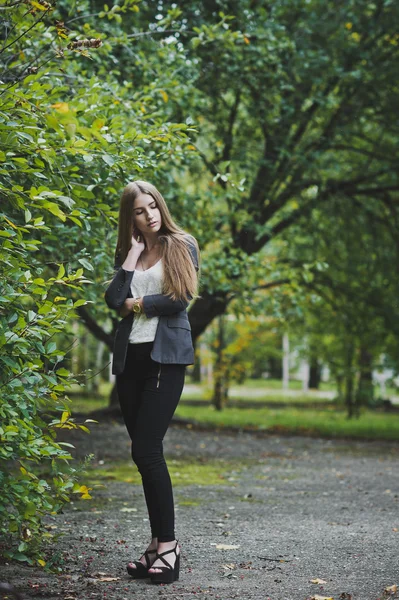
[139, 211]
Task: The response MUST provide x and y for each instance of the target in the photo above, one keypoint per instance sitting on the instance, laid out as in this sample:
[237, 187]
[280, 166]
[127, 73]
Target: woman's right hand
[126, 307]
[135, 251]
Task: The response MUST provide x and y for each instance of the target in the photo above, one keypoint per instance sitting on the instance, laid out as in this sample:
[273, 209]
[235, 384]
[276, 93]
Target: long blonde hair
[180, 280]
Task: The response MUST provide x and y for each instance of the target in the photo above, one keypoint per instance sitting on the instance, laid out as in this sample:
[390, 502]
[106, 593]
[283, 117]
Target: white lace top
[145, 283]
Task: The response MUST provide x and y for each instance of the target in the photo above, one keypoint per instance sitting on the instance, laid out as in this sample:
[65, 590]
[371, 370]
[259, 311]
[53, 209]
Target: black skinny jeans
[148, 395]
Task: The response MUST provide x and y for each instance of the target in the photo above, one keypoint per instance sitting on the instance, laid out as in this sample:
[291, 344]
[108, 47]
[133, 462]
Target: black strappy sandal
[168, 573]
[141, 571]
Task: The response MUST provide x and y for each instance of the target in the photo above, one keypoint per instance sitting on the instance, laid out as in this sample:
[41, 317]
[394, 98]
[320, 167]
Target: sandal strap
[168, 551]
[165, 562]
[147, 558]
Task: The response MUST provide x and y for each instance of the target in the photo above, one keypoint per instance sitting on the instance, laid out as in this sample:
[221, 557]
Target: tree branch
[229, 134]
[271, 284]
[94, 328]
[368, 153]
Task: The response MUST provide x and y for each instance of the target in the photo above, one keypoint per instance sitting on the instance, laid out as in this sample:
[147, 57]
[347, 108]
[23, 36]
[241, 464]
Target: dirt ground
[287, 510]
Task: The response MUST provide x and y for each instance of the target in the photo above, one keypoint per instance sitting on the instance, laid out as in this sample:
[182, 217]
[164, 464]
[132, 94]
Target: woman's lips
[152, 224]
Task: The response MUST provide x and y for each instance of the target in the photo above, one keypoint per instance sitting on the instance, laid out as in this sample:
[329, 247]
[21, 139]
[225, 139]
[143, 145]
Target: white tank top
[145, 283]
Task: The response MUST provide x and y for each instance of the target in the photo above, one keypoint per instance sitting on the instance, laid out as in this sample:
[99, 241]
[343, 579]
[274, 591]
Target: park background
[271, 129]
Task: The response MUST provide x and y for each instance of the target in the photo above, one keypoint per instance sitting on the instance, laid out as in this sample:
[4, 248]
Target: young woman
[156, 266]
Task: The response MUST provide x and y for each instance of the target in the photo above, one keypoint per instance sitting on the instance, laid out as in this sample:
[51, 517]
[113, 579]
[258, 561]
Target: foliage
[346, 314]
[65, 139]
[266, 130]
[241, 348]
[73, 132]
[296, 118]
[32, 313]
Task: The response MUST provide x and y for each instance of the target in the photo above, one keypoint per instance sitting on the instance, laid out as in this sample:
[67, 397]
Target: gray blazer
[173, 342]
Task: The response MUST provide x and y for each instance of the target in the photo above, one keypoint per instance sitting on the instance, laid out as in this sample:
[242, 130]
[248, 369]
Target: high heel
[141, 571]
[168, 573]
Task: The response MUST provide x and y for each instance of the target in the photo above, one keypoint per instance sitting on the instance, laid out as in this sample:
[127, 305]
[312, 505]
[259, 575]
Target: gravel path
[292, 509]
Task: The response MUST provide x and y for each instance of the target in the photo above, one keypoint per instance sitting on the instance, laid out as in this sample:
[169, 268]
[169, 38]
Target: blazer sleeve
[157, 305]
[119, 288]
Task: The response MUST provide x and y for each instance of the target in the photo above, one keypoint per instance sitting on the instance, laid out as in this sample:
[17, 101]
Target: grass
[267, 384]
[203, 394]
[88, 405]
[182, 472]
[276, 384]
[277, 398]
[188, 502]
[321, 418]
[329, 423]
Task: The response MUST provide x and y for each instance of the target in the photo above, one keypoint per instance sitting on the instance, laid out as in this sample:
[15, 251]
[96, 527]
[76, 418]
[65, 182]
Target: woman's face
[146, 214]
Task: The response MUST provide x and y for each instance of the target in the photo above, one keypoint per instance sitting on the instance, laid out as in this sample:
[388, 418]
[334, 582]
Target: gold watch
[136, 306]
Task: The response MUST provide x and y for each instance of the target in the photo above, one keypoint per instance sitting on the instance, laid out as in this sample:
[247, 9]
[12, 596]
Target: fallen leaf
[317, 597]
[126, 509]
[319, 581]
[345, 596]
[392, 589]
[108, 579]
[229, 566]
[226, 547]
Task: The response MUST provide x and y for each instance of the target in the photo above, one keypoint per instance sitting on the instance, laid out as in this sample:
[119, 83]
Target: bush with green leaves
[33, 382]
[70, 139]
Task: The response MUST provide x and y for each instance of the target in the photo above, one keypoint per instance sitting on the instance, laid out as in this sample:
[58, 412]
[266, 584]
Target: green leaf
[63, 372]
[79, 302]
[108, 159]
[86, 264]
[30, 510]
[51, 347]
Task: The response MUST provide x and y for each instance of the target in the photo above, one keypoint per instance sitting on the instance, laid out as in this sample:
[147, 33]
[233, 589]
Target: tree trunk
[225, 391]
[113, 398]
[365, 389]
[219, 393]
[217, 399]
[88, 372]
[349, 380]
[204, 310]
[314, 373]
[75, 348]
[275, 368]
[96, 376]
[286, 361]
[340, 387]
[196, 371]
